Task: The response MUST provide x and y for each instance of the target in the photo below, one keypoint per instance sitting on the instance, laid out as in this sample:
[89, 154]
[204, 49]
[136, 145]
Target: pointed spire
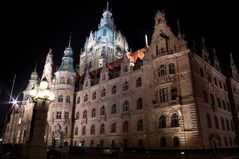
[69, 45]
[215, 60]
[205, 54]
[179, 29]
[107, 5]
[233, 68]
[35, 69]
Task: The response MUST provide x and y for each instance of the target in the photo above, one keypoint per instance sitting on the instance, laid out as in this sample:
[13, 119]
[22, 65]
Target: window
[114, 89]
[125, 68]
[209, 121]
[86, 98]
[66, 115]
[83, 130]
[66, 129]
[102, 110]
[69, 81]
[93, 113]
[163, 95]
[102, 128]
[212, 102]
[113, 128]
[215, 81]
[228, 126]
[139, 82]
[78, 100]
[60, 98]
[171, 68]
[162, 121]
[162, 141]
[205, 97]
[162, 70]
[58, 115]
[94, 95]
[216, 122]
[76, 131]
[103, 92]
[140, 125]
[232, 126]
[219, 103]
[176, 142]
[101, 143]
[62, 80]
[68, 99]
[92, 130]
[113, 109]
[84, 114]
[125, 126]
[174, 93]
[125, 86]
[174, 120]
[126, 106]
[77, 115]
[223, 124]
[201, 73]
[139, 103]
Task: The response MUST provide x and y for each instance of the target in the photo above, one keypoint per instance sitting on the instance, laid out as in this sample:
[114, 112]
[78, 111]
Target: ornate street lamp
[42, 97]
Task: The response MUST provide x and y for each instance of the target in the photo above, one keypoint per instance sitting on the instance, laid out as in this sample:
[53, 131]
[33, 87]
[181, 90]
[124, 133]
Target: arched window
[113, 128]
[77, 115]
[139, 103]
[86, 98]
[83, 130]
[103, 92]
[68, 99]
[205, 96]
[162, 70]
[216, 122]
[174, 120]
[209, 121]
[60, 98]
[125, 126]
[84, 114]
[126, 106]
[171, 68]
[78, 100]
[92, 129]
[62, 80]
[163, 142]
[140, 125]
[114, 89]
[69, 81]
[125, 86]
[139, 82]
[94, 95]
[93, 113]
[162, 121]
[102, 128]
[176, 142]
[76, 130]
[102, 110]
[113, 109]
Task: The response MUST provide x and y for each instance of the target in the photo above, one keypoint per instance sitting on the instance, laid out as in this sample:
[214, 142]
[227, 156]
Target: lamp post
[42, 97]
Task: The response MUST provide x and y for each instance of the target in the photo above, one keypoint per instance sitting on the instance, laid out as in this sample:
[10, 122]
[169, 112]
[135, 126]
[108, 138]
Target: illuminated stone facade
[162, 96]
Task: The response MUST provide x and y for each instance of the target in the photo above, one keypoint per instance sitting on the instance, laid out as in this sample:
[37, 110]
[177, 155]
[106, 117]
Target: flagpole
[13, 83]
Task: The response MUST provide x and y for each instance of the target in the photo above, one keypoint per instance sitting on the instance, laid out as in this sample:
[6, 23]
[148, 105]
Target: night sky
[29, 29]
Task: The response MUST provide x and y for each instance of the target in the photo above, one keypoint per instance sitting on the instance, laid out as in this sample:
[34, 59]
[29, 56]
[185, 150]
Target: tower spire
[69, 45]
[107, 5]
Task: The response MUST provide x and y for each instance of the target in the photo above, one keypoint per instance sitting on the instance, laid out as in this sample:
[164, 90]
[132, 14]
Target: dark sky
[29, 29]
